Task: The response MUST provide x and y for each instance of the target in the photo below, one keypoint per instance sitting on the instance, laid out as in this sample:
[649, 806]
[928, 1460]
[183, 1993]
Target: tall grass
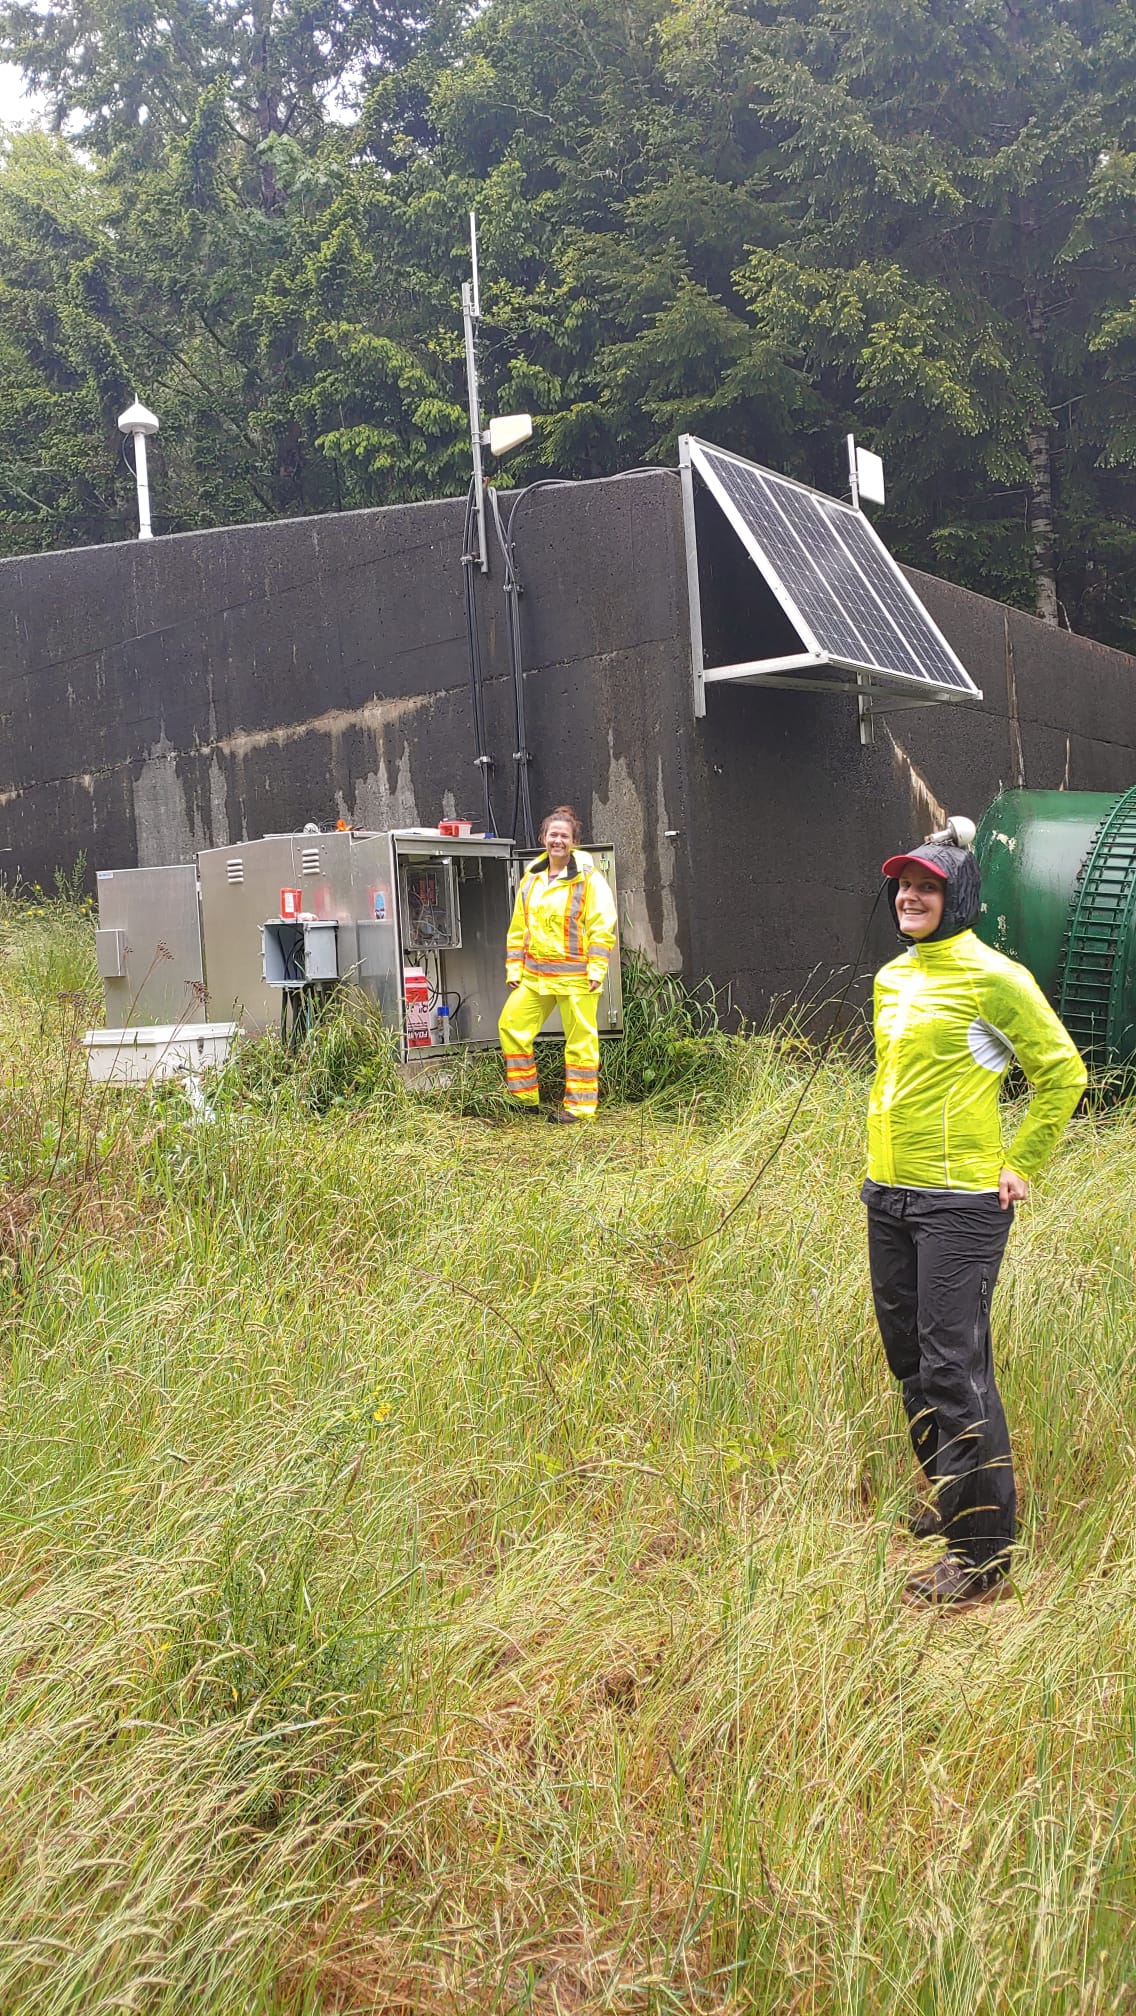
[671, 1053]
[428, 1588]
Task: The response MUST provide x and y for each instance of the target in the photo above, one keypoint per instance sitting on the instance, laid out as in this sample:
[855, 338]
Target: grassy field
[426, 1587]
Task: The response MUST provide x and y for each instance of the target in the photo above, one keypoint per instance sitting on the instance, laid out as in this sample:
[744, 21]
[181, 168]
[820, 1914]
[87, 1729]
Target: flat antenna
[473, 256]
[865, 474]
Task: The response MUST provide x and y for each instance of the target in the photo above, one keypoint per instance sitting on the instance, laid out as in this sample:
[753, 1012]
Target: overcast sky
[14, 107]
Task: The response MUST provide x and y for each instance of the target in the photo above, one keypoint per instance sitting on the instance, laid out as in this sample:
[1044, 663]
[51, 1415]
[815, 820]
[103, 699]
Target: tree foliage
[765, 221]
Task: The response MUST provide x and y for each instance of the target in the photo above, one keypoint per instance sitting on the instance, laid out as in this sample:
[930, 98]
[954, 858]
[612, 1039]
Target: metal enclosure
[1031, 847]
[344, 878]
[428, 906]
[485, 883]
[233, 958]
[1059, 893]
[149, 946]
[294, 955]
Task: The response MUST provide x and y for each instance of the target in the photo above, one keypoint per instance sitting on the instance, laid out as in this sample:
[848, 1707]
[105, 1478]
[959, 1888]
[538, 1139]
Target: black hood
[962, 896]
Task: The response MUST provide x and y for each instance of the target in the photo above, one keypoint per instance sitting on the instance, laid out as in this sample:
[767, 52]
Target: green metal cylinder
[1059, 893]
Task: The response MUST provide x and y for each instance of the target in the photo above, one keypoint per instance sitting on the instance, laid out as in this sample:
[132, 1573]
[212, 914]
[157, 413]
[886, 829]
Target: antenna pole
[853, 472]
[138, 422]
[142, 478]
[471, 314]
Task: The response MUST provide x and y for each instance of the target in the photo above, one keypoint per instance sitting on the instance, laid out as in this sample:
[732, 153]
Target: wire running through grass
[484, 1303]
[688, 1245]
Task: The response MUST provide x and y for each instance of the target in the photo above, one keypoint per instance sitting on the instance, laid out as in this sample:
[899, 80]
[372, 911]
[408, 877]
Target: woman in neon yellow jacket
[951, 1015]
[556, 956]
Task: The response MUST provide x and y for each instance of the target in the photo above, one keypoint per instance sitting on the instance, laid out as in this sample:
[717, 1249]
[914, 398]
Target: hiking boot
[955, 1584]
[924, 1523]
[557, 1117]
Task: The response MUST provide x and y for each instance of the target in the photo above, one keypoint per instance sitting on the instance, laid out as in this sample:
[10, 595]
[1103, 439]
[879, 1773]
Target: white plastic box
[135, 1056]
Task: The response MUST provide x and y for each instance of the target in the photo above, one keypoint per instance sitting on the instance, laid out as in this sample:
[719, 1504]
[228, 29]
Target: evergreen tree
[767, 221]
[942, 285]
[62, 376]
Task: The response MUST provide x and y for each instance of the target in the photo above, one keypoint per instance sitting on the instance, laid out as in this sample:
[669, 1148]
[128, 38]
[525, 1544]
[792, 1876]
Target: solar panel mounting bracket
[881, 612]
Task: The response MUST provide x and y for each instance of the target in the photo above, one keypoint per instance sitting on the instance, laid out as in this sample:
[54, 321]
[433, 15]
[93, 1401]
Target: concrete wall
[156, 698]
[811, 813]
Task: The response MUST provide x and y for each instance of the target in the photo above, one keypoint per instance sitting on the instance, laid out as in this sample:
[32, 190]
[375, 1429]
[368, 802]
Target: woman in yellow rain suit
[556, 956]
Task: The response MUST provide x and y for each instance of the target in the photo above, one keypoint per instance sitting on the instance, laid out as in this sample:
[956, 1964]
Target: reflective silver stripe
[572, 920]
[562, 968]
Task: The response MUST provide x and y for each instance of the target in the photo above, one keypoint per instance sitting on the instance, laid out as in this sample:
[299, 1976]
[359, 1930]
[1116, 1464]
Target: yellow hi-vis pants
[524, 1014]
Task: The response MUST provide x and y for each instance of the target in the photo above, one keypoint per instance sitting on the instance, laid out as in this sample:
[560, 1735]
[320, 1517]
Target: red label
[416, 988]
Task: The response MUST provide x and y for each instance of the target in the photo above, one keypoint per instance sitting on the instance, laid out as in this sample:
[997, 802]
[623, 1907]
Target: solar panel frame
[866, 620]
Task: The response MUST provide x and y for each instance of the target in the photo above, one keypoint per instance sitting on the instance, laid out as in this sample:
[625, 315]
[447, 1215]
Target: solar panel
[834, 577]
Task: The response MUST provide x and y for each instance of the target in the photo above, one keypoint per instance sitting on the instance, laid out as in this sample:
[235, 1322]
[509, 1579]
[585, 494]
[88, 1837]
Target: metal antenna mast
[471, 315]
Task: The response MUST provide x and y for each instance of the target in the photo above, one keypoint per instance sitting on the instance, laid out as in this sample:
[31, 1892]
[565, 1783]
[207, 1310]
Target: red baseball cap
[895, 865]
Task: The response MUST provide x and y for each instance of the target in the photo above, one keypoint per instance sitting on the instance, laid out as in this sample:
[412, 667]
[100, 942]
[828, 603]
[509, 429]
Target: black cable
[522, 798]
[574, 483]
[473, 642]
[688, 1245]
[473, 646]
[523, 816]
[522, 802]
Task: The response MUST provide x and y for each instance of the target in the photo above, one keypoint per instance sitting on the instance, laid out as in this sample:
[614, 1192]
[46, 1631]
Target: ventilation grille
[236, 870]
[1100, 918]
[309, 861]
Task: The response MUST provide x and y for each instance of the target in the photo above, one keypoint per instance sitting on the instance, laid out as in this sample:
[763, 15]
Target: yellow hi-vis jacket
[950, 1018]
[562, 932]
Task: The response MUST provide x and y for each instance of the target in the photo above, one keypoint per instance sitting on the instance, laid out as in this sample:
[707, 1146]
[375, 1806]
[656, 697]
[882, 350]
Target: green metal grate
[1102, 913]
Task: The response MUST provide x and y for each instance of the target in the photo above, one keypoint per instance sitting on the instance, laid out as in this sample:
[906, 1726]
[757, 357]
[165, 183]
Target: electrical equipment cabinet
[148, 946]
[344, 879]
[298, 954]
[206, 939]
[476, 882]
[431, 920]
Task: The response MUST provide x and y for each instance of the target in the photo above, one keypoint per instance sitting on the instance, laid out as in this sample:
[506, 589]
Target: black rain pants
[934, 1259]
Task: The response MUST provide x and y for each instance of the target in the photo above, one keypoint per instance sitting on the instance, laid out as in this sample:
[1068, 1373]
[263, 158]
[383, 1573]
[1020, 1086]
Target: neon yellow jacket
[950, 1017]
[562, 932]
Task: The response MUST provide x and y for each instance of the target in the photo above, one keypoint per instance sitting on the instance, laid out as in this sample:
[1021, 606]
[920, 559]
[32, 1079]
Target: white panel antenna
[865, 474]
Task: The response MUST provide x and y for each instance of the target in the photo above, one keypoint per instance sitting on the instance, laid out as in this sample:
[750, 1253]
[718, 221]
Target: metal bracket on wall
[693, 596]
[864, 709]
